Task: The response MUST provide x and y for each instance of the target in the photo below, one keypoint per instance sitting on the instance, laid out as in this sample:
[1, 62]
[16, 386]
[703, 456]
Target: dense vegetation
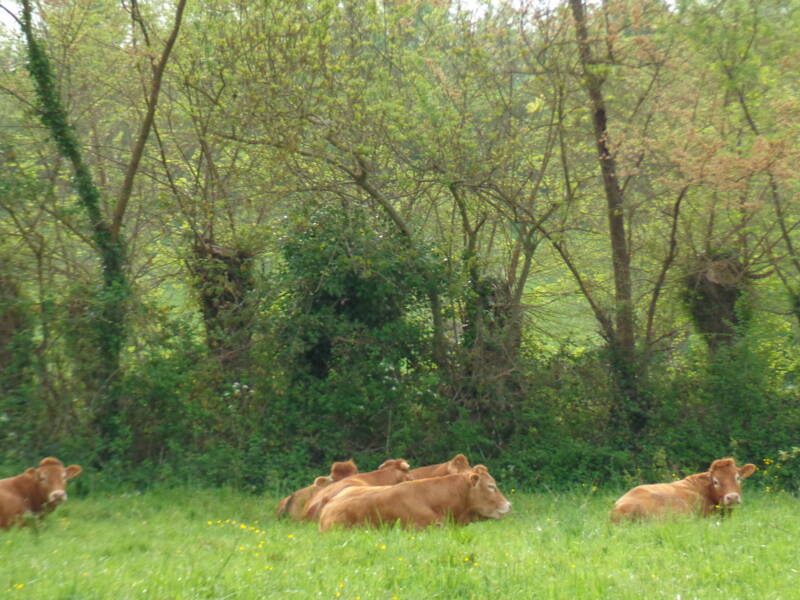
[239, 240]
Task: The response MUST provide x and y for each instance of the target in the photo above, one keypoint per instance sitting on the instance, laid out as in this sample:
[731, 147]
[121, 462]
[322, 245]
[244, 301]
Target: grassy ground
[176, 544]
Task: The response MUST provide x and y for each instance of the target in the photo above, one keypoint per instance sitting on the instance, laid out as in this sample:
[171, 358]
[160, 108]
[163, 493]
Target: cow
[417, 504]
[457, 464]
[392, 471]
[719, 488]
[293, 505]
[37, 490]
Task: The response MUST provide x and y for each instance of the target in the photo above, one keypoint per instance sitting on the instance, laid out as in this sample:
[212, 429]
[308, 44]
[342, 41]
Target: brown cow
[293, 505]
[390, 472]
[457, 464]
[717, 488]
[38, 490]
[419, 503]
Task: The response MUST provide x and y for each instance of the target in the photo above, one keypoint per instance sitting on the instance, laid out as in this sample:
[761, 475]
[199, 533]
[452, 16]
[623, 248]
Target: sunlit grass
[222, 544]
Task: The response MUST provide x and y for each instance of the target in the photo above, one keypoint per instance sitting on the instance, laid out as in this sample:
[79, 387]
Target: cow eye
[716, 482]
[492, 488]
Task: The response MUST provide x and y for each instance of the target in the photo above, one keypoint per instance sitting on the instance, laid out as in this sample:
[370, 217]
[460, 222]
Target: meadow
[194, 543]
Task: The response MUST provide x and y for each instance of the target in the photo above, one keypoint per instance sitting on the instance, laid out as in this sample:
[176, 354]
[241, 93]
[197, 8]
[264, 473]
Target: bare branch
[144, 131]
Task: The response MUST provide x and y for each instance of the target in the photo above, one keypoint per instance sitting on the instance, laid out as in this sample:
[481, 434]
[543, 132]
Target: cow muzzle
[731, 499]
[57, 497]
[503, 510]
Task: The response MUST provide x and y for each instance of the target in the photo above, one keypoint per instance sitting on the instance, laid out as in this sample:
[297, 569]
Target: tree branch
[144, 131]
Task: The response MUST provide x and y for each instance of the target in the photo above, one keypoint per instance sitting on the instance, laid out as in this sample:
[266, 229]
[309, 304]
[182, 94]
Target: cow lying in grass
[36, 491]
[718, 488]
[294, 505]
[390, 472]
[460, 497]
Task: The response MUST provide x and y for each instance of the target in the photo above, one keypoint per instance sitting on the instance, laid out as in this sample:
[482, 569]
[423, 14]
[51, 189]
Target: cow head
[342, 469]
[485, 499]
[293, 506]
[395, 470]
[724, 480]
[301, 497]
[51, 478]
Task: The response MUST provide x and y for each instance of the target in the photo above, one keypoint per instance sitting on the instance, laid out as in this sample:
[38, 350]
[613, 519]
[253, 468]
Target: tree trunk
[622, 342]
[109, 327]
[224, 282]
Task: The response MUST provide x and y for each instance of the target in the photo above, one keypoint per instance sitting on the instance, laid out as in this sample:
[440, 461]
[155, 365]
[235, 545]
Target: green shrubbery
[339, 366]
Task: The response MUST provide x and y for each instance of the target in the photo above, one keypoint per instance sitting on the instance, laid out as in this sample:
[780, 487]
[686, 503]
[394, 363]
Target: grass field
[185, 543]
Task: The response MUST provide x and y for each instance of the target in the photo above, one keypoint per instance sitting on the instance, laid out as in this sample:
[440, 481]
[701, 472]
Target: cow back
[391, 472]
[457, 464]
[293, 505]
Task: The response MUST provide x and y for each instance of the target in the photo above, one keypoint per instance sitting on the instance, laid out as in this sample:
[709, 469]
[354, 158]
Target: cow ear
[322, 481]
[73, 470]
[30, 472]
[474, 478]
[704, 478]
[340, 470]
[404, 466]
[747, 470]
[459, 463]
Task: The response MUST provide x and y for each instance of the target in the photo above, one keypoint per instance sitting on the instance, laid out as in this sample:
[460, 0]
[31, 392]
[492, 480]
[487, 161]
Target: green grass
[175, 544]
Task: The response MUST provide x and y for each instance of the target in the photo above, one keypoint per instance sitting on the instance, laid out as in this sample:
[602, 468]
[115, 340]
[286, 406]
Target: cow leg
[427, 518]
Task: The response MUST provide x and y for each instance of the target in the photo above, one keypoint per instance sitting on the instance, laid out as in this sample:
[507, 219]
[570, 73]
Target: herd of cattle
[432, 495]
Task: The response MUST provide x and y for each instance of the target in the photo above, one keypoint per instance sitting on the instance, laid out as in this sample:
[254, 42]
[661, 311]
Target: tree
[109, 325]
[753, 142]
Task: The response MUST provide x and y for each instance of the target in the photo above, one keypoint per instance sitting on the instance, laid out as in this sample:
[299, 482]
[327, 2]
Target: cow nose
[57, 496]
[732, 498]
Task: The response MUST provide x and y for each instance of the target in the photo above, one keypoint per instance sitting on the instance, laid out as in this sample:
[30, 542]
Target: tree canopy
[241, 239]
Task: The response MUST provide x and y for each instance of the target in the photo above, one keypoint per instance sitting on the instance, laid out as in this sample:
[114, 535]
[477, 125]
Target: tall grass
[185, 543]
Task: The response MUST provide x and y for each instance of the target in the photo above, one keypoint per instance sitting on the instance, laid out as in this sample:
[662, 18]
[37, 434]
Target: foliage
[782, 473]
[360, 357]
[381, 229]
[19, 409]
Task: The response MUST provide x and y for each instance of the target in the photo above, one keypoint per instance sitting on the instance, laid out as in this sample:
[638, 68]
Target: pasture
[193, 543]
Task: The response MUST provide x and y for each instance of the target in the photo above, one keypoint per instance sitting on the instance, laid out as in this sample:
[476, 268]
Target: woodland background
[242, 239]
